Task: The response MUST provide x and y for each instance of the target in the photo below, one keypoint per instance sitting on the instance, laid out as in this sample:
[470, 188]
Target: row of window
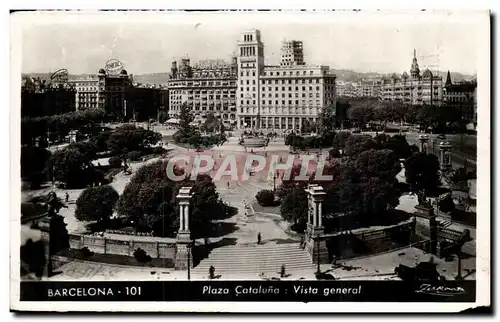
[289, 95]
[289, 81]
[291, 73]
[201, 83]
[283, 102]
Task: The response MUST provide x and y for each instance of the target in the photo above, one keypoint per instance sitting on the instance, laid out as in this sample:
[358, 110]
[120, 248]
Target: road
[458, 158]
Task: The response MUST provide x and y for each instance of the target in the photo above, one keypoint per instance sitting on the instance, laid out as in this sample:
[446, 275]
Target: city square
[373, 179]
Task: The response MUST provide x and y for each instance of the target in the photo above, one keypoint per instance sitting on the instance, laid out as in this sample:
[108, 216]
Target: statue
[422, 198]
[53, 204]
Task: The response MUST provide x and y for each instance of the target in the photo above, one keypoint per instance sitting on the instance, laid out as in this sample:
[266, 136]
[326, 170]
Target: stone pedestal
[315, 243]
[425, 214]
[183, 254]
[183, 257]
[424, 211]
[424, 140]
[444, 156]
[54, 237]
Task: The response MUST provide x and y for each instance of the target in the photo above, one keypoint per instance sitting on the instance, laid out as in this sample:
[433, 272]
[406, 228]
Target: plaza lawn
[269, 210]
[116, 259]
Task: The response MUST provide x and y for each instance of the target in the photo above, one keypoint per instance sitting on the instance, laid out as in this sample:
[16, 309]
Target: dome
[394, 76]
[124, 72]
[427, 74]
[102, 71]
[405, 75]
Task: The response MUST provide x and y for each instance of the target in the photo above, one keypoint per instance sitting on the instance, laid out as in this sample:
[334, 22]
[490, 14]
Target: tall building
[416, 88]
[206, 87]
[292, 53]
[279, 97]
[105, 90]
[462, 96]
[89, 92]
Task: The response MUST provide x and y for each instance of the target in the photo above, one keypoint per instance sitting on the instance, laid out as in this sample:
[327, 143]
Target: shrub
[115, 162]
[141, 256]
[158, 150]
[134, 155]
[265, 198]
[86, 252]
[96, 203]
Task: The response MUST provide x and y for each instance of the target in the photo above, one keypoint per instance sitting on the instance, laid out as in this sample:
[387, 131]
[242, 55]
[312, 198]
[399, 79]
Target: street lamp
[189, 246]
[317, 257]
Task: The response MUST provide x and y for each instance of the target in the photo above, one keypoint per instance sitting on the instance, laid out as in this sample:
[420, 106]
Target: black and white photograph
[259, 156]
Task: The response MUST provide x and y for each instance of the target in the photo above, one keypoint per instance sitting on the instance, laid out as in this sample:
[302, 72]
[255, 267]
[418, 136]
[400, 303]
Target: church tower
[414, 71]
[448, 80]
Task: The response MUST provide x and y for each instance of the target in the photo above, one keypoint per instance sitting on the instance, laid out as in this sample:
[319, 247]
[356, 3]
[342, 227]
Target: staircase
[251, 260]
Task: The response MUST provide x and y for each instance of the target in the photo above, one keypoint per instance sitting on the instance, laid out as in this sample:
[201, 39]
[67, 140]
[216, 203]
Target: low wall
[107, 245]
[358, 242]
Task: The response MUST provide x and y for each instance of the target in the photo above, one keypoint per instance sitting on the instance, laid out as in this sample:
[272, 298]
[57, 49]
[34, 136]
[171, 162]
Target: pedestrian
[66, 197]
[259, 238]
[228, 184]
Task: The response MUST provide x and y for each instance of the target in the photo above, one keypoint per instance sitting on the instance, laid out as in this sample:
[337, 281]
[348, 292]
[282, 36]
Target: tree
[383, 164]
[149, 201]
[422, 173]
[211, 123]
[461, 175]
[265, 198]
[100, 141]
[185, 118]
[358, 143]
[326, 120]
[294, 208]
[96, 204]
[115, 162]
[340, 140]
[73, 165]
[131, 138]
[33, 165]
[396, 143]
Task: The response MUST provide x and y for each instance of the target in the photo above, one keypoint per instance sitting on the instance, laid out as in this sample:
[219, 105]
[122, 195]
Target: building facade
[106, 90]
[41, 97]
[346, 89]
[206, 87]
[279, 97]
[416, 88]
[462, 96]
[370, 88]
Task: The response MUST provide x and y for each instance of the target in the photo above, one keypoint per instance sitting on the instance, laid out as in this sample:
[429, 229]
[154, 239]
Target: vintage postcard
[278, 161]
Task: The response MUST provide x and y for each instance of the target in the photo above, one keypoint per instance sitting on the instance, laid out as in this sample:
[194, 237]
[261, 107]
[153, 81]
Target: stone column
[183, 243]
[445, 157]
[424, 139]
[315, 240]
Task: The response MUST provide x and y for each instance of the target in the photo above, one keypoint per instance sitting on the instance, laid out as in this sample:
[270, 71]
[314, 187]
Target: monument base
[425, 211]
[183, 256]
[315, 245]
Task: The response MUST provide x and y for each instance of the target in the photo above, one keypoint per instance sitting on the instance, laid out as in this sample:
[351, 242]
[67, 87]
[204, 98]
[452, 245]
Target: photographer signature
[440, 290]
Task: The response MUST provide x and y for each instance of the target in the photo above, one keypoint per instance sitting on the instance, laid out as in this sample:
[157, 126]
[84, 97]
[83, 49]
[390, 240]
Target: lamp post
[317, 257]
[189, 246]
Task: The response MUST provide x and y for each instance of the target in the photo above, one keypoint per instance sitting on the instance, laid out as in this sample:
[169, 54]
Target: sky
[148, 43]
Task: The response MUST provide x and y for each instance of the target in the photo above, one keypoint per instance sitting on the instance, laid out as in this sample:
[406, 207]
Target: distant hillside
[342, 75]
[155, 78]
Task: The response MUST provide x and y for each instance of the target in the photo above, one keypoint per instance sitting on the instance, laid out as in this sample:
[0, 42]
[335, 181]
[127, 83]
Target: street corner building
[247, 93]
